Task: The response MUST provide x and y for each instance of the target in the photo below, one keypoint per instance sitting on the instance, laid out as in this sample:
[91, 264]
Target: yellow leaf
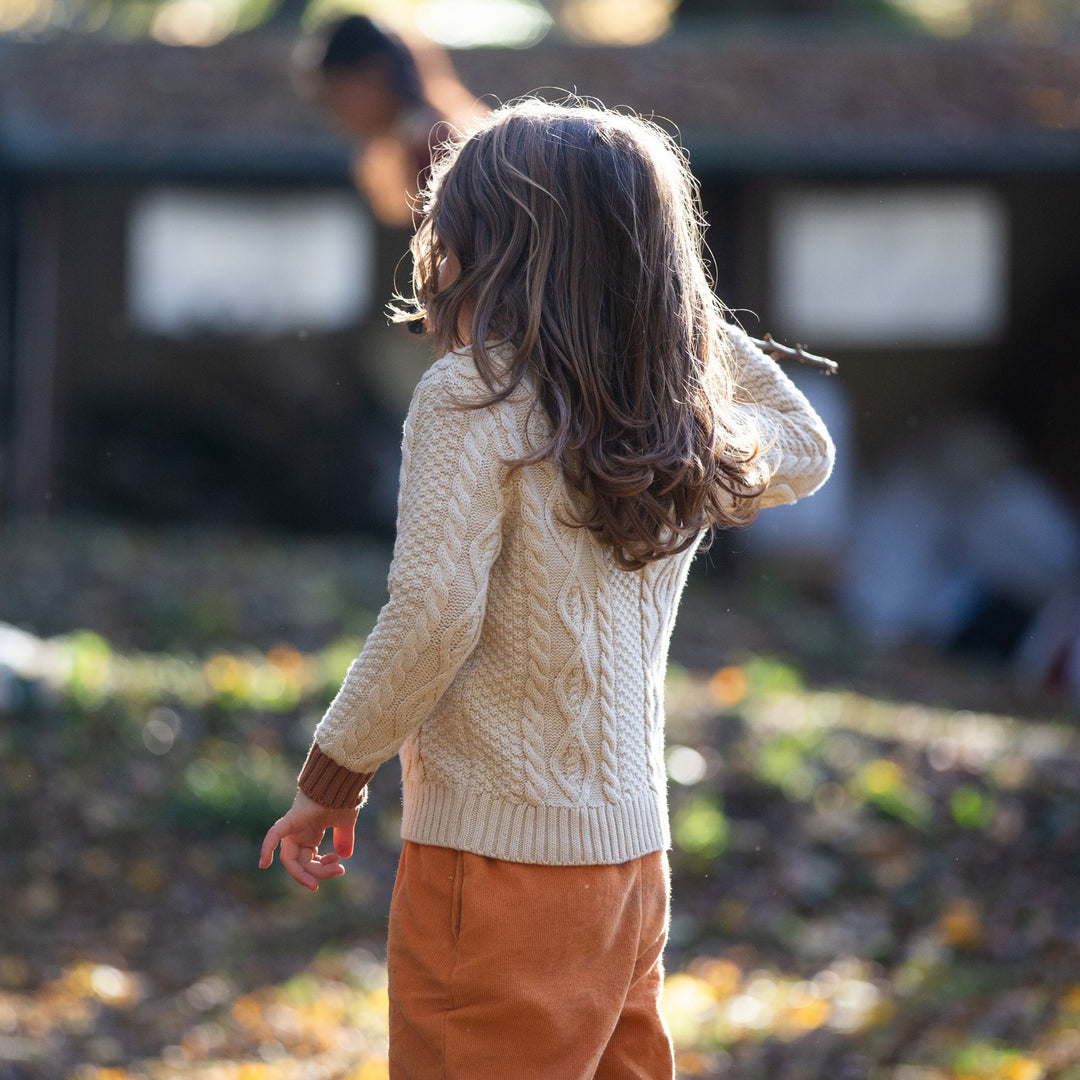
[254, 1070]
[723, 976]
[881, 777]
[374, 1069]
[728, 686]
[692, 1063]
[687, 993]
[810, 1014]
[246, 1010]
[960, 924]
[688, 1003]
[1017, 1067]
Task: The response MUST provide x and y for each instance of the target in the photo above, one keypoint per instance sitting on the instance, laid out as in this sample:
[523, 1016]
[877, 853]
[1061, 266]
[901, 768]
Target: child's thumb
[343, 839]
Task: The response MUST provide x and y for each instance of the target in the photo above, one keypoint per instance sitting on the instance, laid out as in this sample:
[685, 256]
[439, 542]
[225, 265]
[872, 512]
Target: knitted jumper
[515, 668]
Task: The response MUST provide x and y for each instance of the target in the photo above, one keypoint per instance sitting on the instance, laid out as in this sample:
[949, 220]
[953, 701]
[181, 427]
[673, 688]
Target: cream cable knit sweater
[517, 670]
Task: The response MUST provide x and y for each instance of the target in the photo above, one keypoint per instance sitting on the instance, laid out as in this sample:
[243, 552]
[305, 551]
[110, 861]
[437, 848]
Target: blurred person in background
[397, 102]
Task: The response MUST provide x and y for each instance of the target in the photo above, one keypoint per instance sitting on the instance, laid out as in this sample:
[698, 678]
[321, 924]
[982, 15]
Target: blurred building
[191, 321]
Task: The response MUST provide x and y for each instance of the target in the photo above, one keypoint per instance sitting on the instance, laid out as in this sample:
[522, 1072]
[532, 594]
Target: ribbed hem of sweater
[483, 824]
[331, 785]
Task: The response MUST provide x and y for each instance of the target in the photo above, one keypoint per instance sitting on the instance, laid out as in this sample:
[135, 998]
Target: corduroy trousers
[513, 971]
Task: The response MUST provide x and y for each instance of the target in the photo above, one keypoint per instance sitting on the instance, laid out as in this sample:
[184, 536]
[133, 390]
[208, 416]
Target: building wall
[897, 390]
[289, 430]
[300, 431]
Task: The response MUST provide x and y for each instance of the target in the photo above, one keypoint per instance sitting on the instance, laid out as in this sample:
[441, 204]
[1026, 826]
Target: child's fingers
[325, 867]
[306, 866]
[300, 835]
[274, 836]
[297, 861]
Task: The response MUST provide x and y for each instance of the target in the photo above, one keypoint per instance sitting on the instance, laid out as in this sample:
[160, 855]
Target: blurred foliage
[863, 887]
[522, 22]
[700, 829]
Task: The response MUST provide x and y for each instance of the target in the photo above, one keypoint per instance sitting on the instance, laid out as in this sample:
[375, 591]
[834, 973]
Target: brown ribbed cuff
[331, 785]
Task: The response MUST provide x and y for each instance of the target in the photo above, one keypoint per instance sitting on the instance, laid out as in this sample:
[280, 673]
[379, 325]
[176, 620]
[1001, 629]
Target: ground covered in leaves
[876, 861]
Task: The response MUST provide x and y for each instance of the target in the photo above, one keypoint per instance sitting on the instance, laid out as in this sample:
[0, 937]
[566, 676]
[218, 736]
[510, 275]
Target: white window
[889, 266]
[202, 261]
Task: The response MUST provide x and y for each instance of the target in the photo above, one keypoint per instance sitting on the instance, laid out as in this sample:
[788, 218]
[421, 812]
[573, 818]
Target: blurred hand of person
[300, 832]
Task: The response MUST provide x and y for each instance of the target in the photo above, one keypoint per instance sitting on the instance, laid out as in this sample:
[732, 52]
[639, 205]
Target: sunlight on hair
[194, 22]
[950, 18]
[618, 22]
[466, 24]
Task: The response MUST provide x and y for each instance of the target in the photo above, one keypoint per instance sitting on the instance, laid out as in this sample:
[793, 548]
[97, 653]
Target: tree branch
[786, 352]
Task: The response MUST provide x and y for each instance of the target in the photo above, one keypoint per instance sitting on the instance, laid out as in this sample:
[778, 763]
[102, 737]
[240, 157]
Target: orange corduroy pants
[513, 971]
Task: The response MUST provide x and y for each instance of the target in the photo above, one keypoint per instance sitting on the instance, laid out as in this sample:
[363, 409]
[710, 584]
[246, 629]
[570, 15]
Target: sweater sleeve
[449, 529]
[797, 452]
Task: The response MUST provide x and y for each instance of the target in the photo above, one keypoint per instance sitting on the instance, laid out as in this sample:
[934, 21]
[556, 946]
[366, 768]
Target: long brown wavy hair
[580, 238]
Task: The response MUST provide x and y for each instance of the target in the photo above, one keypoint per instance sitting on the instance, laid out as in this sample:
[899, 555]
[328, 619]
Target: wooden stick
[786, 352]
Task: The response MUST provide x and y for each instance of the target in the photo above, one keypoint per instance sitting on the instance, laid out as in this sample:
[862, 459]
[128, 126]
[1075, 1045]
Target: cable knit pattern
[443, 593]
[609, 761]
[653, 702]
[537, 649]
[573, 764]
[515, 668]
[667, 581]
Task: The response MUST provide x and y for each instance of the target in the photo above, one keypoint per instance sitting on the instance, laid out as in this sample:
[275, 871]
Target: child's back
[560, 468]
[522, 667]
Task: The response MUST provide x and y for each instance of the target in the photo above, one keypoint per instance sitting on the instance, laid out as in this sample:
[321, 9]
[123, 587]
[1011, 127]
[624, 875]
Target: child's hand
[300, 832]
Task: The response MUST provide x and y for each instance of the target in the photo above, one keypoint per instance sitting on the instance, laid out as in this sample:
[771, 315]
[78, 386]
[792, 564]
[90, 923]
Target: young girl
[592, 416]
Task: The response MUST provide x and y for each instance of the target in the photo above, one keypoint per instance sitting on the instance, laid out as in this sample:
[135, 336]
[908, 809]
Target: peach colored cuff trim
[331, 785]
